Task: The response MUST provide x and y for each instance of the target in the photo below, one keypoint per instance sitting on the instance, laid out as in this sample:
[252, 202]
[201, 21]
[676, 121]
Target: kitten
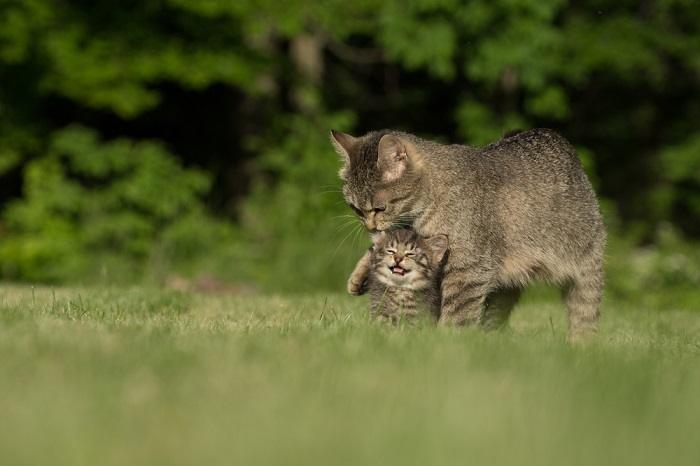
[401, 273]
[514, 210]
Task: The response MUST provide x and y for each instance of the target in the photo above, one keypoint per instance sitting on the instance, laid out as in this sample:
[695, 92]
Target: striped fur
[395, 296]
[516, 210]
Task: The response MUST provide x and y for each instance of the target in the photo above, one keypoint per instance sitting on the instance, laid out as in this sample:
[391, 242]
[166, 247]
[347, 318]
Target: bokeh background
[185, 142]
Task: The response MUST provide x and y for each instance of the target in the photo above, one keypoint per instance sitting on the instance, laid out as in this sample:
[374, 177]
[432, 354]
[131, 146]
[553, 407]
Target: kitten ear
[343, 144]
[378, 238]
[394, 157]
[437, 245]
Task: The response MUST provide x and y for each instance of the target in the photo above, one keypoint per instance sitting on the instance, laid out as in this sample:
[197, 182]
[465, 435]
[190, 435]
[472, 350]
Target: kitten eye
[391, 252]
[379, 209]
[410, 254]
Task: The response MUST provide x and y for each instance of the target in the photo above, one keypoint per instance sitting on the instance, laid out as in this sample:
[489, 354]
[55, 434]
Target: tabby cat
[401, 273]
[514, 210]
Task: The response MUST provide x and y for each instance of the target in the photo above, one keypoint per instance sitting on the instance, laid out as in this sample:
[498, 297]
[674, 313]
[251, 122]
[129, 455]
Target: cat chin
[399, 281]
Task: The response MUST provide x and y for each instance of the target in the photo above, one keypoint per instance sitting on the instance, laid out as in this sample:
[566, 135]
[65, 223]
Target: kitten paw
[354, 288]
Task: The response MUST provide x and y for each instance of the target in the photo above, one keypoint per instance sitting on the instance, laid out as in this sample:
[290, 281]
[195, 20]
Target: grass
[148, 377]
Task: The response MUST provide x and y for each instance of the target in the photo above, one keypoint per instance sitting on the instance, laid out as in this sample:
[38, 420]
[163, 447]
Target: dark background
[182, 141]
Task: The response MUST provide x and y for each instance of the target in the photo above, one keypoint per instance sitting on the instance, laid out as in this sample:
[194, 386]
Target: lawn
[149, 377]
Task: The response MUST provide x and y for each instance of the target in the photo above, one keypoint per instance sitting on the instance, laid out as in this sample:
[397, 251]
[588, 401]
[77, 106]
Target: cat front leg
[463, 294]
[357, 283]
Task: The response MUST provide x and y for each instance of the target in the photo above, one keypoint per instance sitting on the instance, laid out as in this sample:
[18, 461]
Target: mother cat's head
[381, 176]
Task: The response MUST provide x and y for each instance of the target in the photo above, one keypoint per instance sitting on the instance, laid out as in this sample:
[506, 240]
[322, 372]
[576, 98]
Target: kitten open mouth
[397, 270]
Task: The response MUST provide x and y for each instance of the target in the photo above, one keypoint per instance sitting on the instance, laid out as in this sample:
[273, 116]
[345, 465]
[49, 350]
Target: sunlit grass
[136, 376]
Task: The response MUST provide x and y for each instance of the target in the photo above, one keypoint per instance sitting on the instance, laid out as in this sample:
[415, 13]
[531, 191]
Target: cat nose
[398, 259]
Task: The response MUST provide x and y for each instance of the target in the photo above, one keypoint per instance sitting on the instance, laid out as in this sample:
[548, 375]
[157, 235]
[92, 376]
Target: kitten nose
[398, 259]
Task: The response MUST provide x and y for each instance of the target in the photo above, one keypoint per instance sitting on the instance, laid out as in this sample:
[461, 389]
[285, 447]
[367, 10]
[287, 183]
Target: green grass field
[147, 377]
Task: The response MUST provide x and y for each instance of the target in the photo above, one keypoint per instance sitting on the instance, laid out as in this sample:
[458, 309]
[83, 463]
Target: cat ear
[378, 238]
[343, 144]
[437, 245]
[394, 157]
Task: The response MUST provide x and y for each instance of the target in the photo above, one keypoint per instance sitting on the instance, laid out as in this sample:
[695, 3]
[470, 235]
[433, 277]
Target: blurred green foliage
[89, 207]
[303, 235]
[140, 139]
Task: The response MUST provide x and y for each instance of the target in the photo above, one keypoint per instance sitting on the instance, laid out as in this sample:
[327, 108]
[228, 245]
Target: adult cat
[514, 210]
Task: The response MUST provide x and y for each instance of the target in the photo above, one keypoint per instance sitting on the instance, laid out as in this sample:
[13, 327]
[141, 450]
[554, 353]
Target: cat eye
[379, 209]
[391, 252]
[410, 254]
[356, 210]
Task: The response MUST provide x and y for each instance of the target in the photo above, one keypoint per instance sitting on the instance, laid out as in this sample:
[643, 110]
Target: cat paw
[356, 288]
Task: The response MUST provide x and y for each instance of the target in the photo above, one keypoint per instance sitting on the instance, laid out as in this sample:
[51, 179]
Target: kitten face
[403, 259]
[379, 177]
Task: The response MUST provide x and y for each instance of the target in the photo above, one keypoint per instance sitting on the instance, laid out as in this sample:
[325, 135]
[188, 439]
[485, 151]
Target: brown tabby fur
[394, 295]
[515, 210]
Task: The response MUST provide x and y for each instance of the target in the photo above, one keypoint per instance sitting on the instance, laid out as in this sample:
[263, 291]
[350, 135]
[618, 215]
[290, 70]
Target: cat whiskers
[406, 219]
[345, 216]
[357, 236]
[345, 224]
[328, 189]
[354, 229]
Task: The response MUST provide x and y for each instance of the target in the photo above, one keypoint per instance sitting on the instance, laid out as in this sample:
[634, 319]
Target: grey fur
[393, 295]
[514, 210]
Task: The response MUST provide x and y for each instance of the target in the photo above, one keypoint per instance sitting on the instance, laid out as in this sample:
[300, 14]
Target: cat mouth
[398, 270]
